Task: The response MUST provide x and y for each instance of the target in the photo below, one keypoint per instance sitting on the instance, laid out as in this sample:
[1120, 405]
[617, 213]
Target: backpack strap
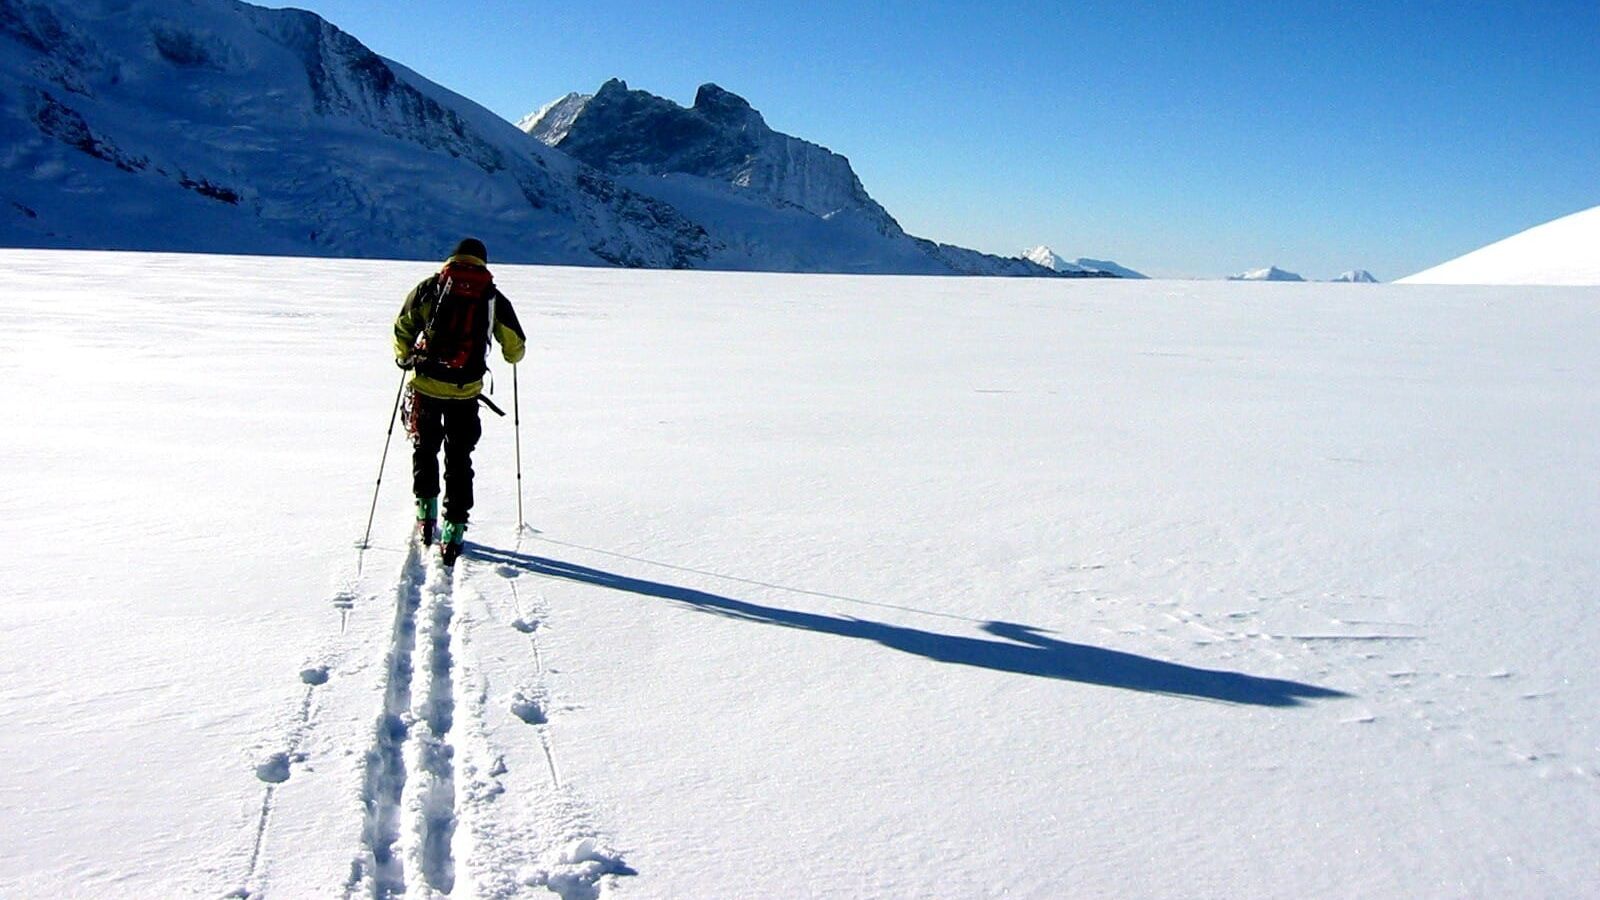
[440, 288]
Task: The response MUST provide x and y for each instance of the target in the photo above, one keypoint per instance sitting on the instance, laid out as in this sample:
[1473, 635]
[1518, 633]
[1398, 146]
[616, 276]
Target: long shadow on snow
[1024, 650]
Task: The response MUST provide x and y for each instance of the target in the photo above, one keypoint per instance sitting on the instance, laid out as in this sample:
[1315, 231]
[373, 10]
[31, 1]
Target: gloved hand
[408, 362]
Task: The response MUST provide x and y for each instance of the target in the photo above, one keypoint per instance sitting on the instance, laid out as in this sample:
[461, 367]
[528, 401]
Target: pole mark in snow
[530, 629]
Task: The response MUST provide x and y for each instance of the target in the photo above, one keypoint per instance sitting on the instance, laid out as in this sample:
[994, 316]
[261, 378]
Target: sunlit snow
[837, 586]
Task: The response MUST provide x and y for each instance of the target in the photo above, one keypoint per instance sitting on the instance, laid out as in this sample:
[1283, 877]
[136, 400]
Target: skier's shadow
[1023, 649]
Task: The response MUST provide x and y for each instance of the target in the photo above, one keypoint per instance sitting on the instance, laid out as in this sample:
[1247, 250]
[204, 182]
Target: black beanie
[471, 247]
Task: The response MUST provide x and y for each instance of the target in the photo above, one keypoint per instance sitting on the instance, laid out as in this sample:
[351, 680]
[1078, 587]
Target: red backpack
[455, 344]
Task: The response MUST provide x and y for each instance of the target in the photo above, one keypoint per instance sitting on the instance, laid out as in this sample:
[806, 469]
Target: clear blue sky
[1179, 138]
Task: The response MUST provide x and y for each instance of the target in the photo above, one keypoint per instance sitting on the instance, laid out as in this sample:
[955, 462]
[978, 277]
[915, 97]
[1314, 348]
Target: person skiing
[442, 335]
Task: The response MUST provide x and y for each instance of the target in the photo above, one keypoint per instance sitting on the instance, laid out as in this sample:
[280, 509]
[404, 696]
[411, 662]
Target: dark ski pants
[454, 425]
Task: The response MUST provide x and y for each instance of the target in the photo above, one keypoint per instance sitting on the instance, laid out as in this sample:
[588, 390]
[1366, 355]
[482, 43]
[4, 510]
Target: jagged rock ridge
[773, 201]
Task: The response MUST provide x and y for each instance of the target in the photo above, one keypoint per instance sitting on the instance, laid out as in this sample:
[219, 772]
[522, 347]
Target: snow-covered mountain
[217, 126]
[1082, 267]
[220, 126]
[1565, 251]
[771, 201]
[1270, 273]
[1357, 276]
[1106, 265]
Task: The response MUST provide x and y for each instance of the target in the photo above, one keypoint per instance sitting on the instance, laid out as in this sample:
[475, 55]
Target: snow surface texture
[1083, 267]
[771, 201]
[1270, 273]
[1562, 252]
[841, 586]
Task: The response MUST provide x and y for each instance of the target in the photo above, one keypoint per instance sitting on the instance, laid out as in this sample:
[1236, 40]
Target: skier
[442, 335]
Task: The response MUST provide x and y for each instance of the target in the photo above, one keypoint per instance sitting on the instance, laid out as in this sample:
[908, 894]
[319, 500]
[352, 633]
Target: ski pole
[387, 437]
[516, 407]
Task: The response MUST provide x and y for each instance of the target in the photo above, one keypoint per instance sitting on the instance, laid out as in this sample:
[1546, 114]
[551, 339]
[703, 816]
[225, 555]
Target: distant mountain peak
[1270, 273]
[1357, 276]
[769, 199]
[1109, 267]
[1048, 258]
[1082, 267]
[551, 122]
[721, 137]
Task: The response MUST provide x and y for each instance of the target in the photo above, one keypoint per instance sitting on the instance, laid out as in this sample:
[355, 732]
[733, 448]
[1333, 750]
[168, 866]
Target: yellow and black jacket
[444, 328]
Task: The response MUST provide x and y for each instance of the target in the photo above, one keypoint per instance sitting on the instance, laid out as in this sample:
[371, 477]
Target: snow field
[837, 587]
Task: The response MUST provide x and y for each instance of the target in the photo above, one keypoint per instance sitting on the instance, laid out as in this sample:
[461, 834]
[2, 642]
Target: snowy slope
[841, 586]
[1563, 251]
[773, 202]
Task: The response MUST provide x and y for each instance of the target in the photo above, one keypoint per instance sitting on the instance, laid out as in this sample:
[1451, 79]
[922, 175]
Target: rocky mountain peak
[726, 107]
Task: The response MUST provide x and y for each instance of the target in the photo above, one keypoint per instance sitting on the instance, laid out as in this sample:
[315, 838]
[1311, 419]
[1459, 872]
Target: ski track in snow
[379, 868]
[433, 805]
[442, 811]
[548, 844]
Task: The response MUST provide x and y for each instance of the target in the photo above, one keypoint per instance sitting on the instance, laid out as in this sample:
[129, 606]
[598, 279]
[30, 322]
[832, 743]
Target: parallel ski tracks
[440, 810]
[408, 789]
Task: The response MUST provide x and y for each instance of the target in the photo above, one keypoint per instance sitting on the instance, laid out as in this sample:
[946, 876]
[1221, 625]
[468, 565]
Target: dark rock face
[727, 146]
[722, 138]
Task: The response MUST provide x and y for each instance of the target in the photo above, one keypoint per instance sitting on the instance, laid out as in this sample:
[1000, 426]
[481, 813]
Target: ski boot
[450, 541]
[427, 512]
